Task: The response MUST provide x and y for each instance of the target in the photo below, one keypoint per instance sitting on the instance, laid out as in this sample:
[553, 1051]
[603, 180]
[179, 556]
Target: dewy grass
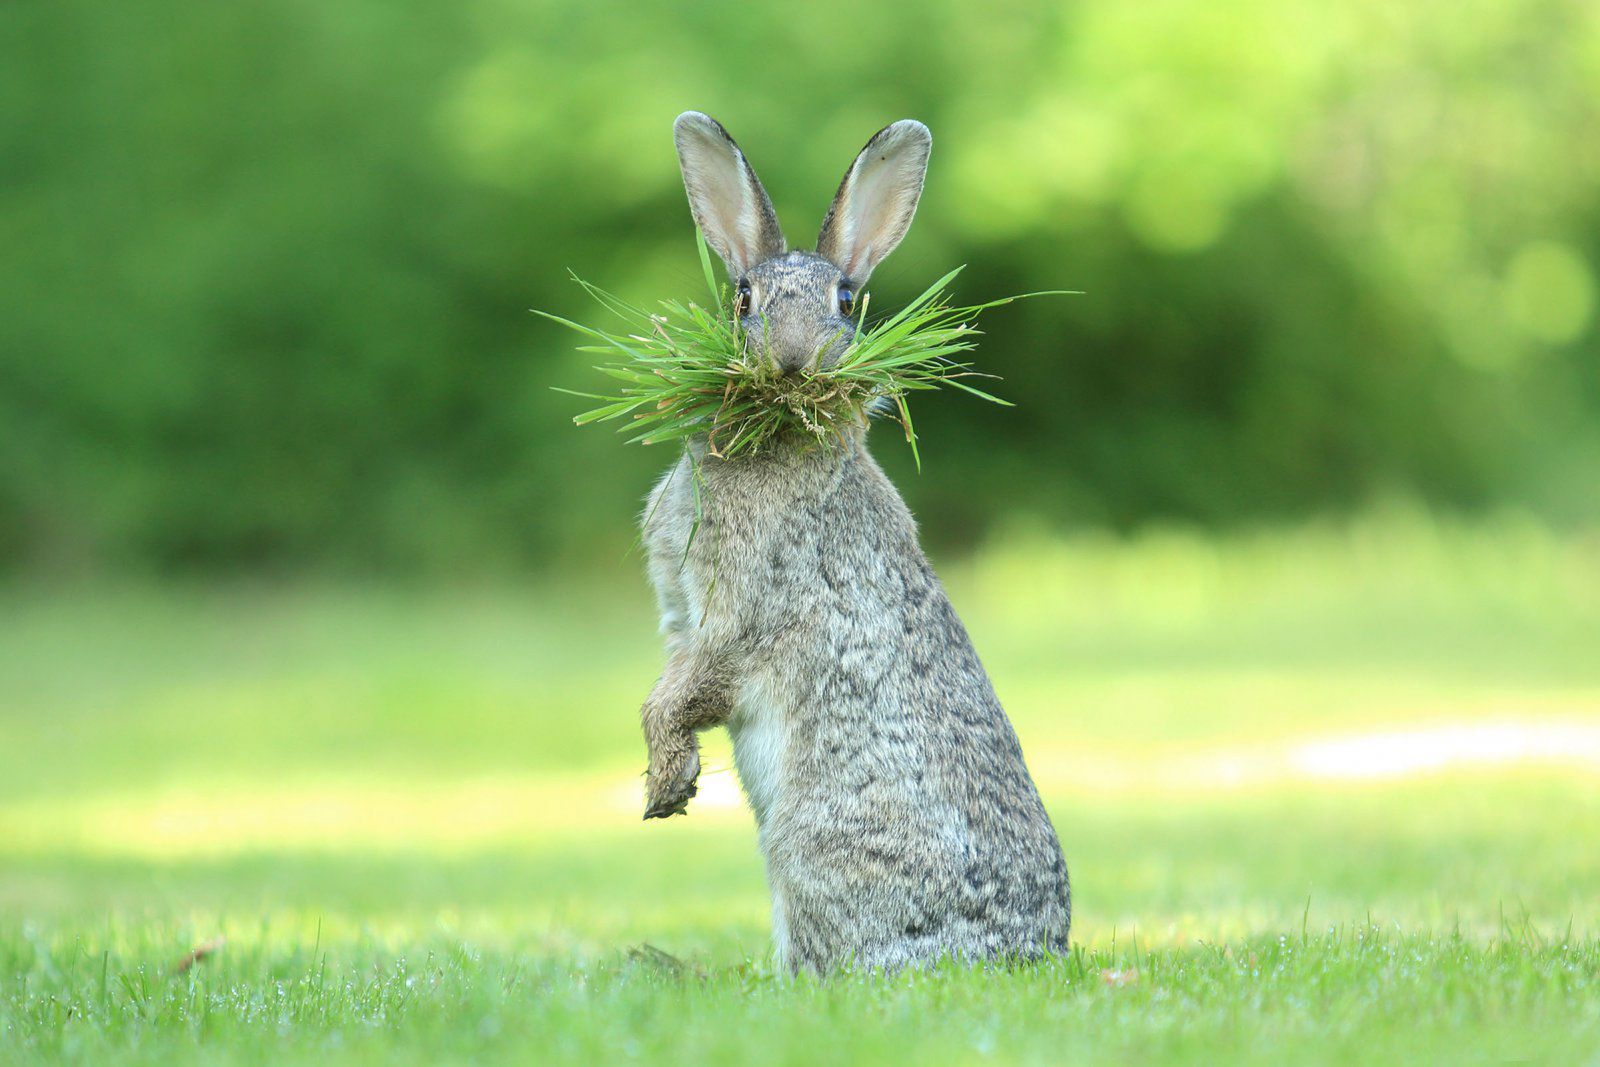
[688, 369]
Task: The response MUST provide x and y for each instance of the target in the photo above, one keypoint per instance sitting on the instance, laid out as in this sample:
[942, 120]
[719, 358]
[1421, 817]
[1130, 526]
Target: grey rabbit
[896, 816]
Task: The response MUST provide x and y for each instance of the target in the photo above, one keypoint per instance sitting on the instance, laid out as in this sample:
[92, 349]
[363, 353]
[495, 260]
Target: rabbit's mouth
[791, 357]
[808, 352]
[793, 363]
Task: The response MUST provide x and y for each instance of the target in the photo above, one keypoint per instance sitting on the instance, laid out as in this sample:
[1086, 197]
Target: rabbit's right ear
[729, 204]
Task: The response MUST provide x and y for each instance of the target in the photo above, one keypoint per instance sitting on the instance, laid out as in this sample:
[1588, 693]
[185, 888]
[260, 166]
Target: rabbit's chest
[759, 730]
[718, 535]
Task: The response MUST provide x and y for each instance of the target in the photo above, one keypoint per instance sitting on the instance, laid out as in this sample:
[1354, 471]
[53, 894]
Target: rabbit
[897, 819]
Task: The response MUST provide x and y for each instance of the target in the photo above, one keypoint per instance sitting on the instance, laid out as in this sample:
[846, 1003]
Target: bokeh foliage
[267, 265]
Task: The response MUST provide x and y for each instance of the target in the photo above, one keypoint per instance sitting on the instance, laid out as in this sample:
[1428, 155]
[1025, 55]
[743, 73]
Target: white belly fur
[760, 740]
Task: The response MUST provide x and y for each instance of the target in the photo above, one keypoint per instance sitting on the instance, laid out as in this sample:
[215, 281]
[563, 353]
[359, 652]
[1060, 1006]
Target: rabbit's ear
[873, 207]
[729, 204]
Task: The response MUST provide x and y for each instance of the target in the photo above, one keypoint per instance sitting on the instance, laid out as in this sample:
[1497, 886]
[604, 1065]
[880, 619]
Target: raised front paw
[669, 787]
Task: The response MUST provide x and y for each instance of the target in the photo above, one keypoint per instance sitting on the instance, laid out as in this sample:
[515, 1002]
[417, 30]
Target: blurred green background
[319, 628]
[267, 264]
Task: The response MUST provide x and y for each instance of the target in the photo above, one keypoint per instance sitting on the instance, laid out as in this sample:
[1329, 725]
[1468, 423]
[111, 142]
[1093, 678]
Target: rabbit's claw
[662, 809]
[669, 794]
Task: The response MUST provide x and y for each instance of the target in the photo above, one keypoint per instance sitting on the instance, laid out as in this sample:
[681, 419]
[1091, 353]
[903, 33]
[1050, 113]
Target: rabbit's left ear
[873, 207]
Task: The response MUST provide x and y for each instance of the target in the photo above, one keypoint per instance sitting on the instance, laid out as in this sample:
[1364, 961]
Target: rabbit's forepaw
[669, 788]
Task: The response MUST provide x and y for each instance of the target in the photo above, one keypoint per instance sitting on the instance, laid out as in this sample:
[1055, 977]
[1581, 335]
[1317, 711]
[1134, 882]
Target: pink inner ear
[879, 202]
[881, 191]
[724, 195]
[721, 195]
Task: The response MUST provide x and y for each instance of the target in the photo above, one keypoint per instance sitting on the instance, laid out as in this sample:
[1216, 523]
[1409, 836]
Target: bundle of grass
[688, 369]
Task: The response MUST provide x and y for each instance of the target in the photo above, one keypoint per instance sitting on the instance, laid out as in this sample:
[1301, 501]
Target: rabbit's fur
[896, 815]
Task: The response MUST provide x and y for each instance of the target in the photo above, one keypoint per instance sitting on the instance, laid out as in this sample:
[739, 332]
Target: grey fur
[896, 815]
[794, 311]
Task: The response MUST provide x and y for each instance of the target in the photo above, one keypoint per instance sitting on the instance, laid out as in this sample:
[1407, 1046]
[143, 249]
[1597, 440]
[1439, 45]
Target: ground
[1326, 794]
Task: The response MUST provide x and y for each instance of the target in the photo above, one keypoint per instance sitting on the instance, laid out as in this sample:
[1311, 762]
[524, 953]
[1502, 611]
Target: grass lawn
[1326, 794]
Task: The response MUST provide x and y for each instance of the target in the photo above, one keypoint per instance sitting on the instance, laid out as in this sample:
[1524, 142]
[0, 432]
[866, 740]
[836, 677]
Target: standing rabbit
[896, 815]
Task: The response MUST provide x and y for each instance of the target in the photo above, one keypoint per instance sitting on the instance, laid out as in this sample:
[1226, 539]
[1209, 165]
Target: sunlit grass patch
[1451, 850]
[1160, 642]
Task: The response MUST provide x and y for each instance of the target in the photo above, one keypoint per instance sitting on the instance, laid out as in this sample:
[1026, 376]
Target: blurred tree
[267, 263]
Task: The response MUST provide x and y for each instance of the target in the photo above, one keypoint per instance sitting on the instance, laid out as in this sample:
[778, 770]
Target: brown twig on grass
[198, 954]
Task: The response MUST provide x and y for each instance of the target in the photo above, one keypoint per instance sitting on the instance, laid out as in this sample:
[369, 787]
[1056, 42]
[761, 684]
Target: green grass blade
[687, 370]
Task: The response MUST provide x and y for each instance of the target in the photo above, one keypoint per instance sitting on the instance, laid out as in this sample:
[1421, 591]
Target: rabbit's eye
[847, 300]
[741, 300]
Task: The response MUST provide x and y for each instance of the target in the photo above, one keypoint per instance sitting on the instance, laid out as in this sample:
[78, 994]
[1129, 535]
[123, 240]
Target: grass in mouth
[688, 369]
